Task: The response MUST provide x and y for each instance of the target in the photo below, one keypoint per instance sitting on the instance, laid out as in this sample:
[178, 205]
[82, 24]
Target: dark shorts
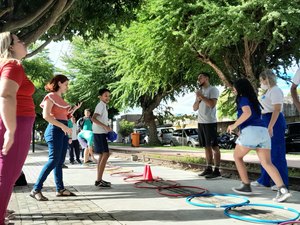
[100, 143]
[208, 135]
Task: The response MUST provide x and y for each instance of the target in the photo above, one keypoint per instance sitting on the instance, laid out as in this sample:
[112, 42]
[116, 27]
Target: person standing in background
[17, 115]
[272, 103]
[73, 142]
[294, 93]
[86, 137]
[205, 103]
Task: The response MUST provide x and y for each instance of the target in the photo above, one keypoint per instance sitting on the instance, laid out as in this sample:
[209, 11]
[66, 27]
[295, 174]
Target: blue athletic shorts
[254, 137]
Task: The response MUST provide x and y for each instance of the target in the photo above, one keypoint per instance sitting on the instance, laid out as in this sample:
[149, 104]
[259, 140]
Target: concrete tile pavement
[123, 203]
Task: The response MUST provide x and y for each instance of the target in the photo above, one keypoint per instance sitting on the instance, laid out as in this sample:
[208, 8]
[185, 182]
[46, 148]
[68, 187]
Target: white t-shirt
[296, 78]
[101, 109]
[205, 113]
[273, 96]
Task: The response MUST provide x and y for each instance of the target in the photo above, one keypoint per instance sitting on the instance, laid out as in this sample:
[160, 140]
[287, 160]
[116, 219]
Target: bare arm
[245, 115]
[210, 102]
[8, 108]
[275, 114]
[96, 121]
[295, 97]
[47, 116]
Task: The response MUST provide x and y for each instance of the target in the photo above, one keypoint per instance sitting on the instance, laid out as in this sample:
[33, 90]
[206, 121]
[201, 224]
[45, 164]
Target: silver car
[186, 136]
[165, 135]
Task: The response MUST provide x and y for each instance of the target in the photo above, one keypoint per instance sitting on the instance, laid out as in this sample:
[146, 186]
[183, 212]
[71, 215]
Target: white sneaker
[256, 184]
[274, 188]
[282, 195]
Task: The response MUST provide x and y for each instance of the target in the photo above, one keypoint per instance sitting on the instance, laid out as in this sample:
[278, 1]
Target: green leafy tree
[40, 70]
[89, 71]
[62, 19]
[126, 128]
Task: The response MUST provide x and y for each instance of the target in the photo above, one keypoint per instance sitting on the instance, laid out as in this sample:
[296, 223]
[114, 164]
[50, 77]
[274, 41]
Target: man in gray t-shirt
[205, 103]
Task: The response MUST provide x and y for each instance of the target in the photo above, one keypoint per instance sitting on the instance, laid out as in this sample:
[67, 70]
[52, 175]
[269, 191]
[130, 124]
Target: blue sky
[183, 105]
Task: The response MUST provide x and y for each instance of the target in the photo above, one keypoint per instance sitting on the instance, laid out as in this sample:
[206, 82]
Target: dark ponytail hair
[52, 85]
[245, 89]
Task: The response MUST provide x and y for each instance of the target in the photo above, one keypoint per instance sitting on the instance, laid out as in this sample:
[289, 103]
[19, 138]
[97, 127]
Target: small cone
[147, 173]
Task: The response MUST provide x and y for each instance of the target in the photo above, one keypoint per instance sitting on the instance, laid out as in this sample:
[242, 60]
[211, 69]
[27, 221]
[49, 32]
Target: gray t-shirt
[205, 113]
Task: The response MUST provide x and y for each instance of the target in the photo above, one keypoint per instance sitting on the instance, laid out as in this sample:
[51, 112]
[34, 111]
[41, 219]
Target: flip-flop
[64, 193]
[37, 195]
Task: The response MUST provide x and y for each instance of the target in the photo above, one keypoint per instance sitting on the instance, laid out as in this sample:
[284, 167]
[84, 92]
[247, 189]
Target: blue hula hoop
[244, 200]
[250, 219]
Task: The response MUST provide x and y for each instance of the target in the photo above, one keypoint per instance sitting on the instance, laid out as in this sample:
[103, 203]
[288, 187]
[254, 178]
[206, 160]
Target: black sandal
[64, 193]
[37, 195]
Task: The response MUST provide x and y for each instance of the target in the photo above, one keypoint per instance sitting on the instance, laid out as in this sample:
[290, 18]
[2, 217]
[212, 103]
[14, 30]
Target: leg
[239, 153]
[76, 149]
[208, 156]
[53, 157]
[101, 165]
[71, 152]
[217, 156]
[12, 163]
[86, 155]
[62, 145]
[265, 159]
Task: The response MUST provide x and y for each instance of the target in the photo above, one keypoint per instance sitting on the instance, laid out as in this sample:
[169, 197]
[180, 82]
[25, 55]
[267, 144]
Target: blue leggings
[278, 151]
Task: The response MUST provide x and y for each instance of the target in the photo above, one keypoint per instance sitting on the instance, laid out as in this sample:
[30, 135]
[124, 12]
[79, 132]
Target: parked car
[165, 134]
[292, 137]
[227, 140]
[186, 136]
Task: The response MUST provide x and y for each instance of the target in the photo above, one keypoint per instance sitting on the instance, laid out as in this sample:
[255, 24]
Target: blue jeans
[57, 144]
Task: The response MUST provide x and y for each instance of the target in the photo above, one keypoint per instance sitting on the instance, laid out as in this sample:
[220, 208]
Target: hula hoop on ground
[290, 222]
[247, 213]
[121, 172]
[181, 191]
[112, 168]
[214, 200]
[155, 184]
[133, 178]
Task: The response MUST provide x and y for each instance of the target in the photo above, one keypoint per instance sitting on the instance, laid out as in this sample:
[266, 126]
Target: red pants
[12, 163]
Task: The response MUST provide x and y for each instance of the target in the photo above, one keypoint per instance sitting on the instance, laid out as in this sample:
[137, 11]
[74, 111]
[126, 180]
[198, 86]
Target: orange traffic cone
[147, 173]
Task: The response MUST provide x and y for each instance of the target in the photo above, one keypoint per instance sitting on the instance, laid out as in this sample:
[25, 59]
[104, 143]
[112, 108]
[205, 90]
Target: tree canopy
[62, 19]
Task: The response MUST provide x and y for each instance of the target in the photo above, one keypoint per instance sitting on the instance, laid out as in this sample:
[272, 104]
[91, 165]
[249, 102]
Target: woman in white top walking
[272, 102]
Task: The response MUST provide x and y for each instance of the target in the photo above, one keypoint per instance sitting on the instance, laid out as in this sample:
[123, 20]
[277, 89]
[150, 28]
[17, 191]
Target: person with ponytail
[253, 135]
[57, 112]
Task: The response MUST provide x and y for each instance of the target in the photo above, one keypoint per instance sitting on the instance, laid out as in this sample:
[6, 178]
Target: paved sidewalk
[123, 203]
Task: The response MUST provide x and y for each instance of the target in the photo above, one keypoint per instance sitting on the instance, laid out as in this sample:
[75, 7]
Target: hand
[72, 110]
[70, 140]
[77, 106]
[67, 130]
[270, 130]
[230, 128]
[199, 95]
[108, 129]
[8, 141]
